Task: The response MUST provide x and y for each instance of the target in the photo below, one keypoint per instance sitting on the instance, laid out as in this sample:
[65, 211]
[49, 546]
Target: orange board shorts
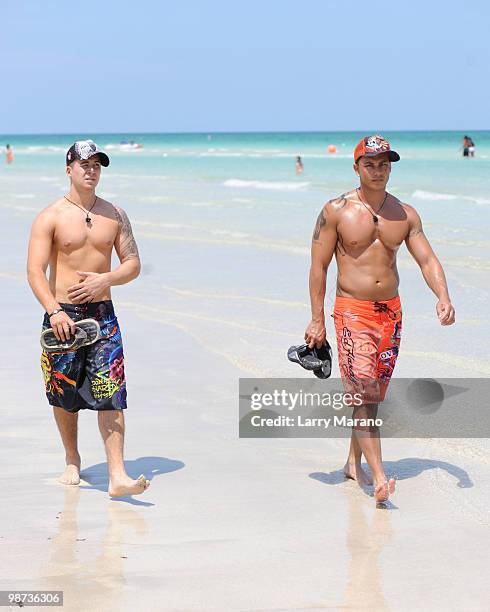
[368, 341]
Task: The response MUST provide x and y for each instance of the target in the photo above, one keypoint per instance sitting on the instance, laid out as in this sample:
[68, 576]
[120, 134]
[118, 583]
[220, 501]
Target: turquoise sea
[224, 227]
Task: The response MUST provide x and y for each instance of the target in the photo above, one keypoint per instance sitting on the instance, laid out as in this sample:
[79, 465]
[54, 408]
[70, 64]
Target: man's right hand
[62, 326]
[315, 334]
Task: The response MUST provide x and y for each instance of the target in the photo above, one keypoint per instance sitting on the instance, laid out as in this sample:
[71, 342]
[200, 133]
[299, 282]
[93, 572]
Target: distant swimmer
[468, 147]
[299, 165]
[9, 154]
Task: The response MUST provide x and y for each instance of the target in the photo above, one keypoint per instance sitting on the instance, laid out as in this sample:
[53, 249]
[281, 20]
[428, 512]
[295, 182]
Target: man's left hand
[445, 312]
[91, 285]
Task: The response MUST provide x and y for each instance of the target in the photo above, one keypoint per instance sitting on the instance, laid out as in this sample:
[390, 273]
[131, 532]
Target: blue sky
[210, 65]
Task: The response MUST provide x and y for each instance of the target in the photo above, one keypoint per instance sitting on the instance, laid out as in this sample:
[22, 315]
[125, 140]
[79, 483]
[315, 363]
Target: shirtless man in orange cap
[364, 228]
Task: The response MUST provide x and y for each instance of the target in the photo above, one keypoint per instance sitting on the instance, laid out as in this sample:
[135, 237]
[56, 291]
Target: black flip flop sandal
[319, 361]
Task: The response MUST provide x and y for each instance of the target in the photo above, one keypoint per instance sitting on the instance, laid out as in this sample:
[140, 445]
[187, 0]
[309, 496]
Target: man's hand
[91, 285]
[62, 326]
[445, 312]
[315, 334]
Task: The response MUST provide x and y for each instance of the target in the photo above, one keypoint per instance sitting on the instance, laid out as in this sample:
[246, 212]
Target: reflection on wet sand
[87, 579]
[365, 541]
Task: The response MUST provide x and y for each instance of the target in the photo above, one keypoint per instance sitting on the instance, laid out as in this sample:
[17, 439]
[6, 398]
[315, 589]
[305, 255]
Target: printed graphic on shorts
[397, 333]
[116, 366]
[109, 380]
[55, 368]
[347, 365]
[103, 387]
[389, 354]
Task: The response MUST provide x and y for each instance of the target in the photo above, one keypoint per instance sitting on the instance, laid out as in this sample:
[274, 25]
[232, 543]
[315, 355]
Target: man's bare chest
[360, 231]
[72, 233]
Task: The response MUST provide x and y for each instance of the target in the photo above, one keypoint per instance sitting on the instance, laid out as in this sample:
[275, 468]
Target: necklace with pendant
[375, 215]
[88, 219]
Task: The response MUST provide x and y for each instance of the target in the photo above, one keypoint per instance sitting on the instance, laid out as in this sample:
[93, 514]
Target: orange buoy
[332, 148]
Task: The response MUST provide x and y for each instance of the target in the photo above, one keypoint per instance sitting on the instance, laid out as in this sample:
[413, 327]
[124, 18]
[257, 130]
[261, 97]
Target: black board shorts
[92, 376]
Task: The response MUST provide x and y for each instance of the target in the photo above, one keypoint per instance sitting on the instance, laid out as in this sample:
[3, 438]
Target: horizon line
[251, 132]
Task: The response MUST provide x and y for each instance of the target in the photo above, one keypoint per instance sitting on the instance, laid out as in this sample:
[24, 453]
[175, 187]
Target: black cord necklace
[88, 219]
[375, 216]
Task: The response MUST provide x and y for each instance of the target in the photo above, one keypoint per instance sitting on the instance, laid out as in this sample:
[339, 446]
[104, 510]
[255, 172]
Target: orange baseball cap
[370, 146]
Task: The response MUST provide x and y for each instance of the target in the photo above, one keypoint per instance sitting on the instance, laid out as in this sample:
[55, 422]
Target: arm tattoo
[320, 223]
[128, 248]
[341, 201]
[416, 231]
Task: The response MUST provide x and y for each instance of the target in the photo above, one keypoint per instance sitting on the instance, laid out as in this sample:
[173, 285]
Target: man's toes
[381, 492]
[142, 481]
[70, 476]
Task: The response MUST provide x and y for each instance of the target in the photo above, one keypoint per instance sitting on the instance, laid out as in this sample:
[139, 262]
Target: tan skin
[79, 259]
[366, 261]
[79, 254]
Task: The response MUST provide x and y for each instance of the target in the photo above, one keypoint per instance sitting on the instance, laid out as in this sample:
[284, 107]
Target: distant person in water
[299, 165]
[468, 147]
[9, 154]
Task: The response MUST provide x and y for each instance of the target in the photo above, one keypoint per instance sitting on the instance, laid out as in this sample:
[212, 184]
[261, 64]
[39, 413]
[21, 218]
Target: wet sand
[227, 524]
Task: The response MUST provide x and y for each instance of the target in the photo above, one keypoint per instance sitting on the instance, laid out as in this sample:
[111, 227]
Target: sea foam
[420, 194]
[273, 185]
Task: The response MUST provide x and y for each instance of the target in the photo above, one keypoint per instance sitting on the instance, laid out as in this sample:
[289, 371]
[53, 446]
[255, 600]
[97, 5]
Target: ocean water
[224, 227]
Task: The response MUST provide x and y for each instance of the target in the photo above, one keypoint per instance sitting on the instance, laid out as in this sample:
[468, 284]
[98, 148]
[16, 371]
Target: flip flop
[324, 353]
[304, 356]
[319, 361]
[87, 331]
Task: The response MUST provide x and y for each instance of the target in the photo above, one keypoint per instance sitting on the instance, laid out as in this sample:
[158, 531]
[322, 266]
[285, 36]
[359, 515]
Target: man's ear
[356, 168]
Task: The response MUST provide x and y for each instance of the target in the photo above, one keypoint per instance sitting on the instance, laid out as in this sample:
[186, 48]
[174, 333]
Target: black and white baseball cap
[85, 149]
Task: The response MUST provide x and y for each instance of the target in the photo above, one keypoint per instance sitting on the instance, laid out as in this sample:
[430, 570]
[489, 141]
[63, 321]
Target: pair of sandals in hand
[317, 360]
[87, 331]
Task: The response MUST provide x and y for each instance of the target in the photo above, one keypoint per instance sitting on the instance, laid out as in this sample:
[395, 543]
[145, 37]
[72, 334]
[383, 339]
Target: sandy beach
[227, 524]
[231, 524]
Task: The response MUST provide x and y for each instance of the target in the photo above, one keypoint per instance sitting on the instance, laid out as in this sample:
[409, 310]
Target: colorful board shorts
[92, 376]
[368, 341]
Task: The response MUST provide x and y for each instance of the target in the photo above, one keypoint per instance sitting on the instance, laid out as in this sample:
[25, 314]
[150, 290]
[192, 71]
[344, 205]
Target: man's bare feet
[125, 485]
[383, 490]
[71, 475]
[355, 472]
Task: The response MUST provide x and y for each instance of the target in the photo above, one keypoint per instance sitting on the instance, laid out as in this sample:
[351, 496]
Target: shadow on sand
[402, 469]
[96, 476]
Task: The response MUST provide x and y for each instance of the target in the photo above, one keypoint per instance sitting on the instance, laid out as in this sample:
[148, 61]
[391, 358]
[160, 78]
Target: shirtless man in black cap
[75, 237]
